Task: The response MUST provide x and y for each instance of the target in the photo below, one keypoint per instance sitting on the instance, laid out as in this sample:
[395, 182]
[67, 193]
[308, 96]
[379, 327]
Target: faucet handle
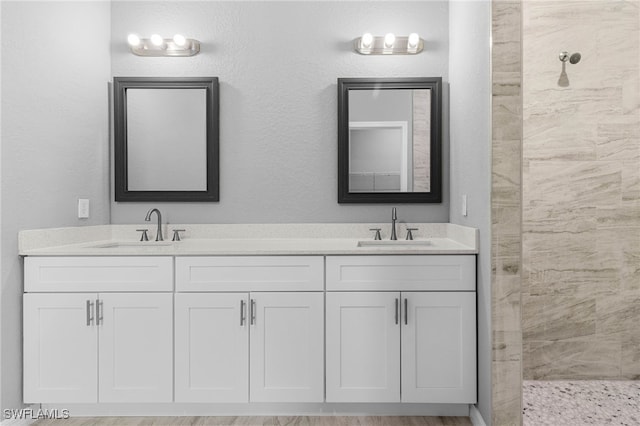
[144, 236]
[409, 233]
[176, 234]
[377, 236]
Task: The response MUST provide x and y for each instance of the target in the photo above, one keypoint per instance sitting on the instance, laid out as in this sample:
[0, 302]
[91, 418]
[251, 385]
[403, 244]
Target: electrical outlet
[83, 208]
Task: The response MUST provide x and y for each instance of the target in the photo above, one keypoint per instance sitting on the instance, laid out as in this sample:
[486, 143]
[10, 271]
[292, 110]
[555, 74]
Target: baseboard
[17, 422]
[262, 409]
[475, 416]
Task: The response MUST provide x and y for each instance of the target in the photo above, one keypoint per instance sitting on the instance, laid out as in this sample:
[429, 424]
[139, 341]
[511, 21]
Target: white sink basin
[124, 244]
[395, 243]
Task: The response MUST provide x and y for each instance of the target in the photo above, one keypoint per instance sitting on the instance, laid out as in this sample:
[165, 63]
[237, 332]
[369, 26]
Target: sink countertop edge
[318, 244]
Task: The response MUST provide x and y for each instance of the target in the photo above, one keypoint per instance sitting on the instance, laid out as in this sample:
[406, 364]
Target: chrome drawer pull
[406, 310]
[253, 312]
[99, 312]
[89, 313]
[397, 306]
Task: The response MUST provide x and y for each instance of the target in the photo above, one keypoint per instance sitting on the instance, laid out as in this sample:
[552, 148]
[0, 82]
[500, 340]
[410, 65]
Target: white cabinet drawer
[250, 273]
[87, 274]
[401, 273]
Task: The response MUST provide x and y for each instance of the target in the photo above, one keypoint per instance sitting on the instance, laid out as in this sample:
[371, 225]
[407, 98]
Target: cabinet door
[60, 348]
[286, 356]
[212, 347]
[439, 347]
[363, 347]
[136, 347]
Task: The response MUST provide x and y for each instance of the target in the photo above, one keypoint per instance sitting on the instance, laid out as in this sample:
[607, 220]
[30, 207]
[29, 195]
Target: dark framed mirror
[390, 140]
[166, 139]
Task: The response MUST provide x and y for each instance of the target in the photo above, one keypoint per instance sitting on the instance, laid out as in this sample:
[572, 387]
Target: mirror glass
[166, 139]
[389, 140]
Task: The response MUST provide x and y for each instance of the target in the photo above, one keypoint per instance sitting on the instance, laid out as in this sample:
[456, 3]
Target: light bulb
[389, 39]
[157, 40]
[414, 39]
[133, 40]
[366, 39]
[179, 40]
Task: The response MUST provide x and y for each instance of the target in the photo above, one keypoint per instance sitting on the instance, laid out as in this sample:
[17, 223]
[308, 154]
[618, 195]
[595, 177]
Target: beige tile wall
[506, 212]
[421, 140]
[581, 191]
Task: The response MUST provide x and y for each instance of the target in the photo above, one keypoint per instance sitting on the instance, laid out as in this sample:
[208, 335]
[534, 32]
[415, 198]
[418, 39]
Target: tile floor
[581, 403]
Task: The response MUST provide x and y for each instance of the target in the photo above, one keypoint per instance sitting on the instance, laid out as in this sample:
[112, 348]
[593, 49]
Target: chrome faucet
[394, 217]
[148, 218]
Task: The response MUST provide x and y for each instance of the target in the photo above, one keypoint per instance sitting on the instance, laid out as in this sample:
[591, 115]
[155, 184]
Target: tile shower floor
[581, 402]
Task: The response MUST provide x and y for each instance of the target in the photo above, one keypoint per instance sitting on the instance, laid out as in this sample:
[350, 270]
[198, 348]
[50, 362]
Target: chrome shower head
[575, 58]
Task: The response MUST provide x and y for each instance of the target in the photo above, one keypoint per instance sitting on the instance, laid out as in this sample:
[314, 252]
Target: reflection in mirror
[166, 139]
[166, 126]
[389, 140]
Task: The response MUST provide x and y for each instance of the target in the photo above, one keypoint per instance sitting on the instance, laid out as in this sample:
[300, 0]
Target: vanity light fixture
[366, 40]
[389, 44]
[133, 40]
[179, 40]
[156, 45]
[413, 41]
[389, 39]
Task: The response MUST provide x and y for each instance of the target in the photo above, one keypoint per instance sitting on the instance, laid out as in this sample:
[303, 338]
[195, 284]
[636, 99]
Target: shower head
[573, 59]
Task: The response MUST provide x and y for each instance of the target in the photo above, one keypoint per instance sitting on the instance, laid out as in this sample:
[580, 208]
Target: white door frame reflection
[388, 143]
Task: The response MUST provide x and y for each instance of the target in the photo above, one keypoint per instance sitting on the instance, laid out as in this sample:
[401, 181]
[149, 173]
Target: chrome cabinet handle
[253, 312]
[397, 306]
[406, 315]
[242, 317]
[99, 311]
[89, 312]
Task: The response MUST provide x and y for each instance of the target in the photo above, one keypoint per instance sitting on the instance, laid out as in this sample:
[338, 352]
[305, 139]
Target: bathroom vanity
[319, 319]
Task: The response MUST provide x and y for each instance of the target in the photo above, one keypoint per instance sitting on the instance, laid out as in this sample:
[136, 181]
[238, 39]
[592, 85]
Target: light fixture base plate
[168, 48]
[400, 47]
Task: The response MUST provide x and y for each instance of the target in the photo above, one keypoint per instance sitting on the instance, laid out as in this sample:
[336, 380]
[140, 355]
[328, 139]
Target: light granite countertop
[250, 239]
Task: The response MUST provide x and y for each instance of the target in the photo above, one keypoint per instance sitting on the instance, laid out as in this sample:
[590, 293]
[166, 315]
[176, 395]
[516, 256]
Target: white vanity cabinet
[60, 349]
[97, 346]
[438, 362]
[287, 341]
[249, 338]
[211, 347]
[363, 347]
[386, 344]
[250, 329]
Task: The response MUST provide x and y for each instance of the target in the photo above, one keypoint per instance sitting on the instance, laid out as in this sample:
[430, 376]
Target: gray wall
[278, 63]
[470, 93]
[55, 68]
